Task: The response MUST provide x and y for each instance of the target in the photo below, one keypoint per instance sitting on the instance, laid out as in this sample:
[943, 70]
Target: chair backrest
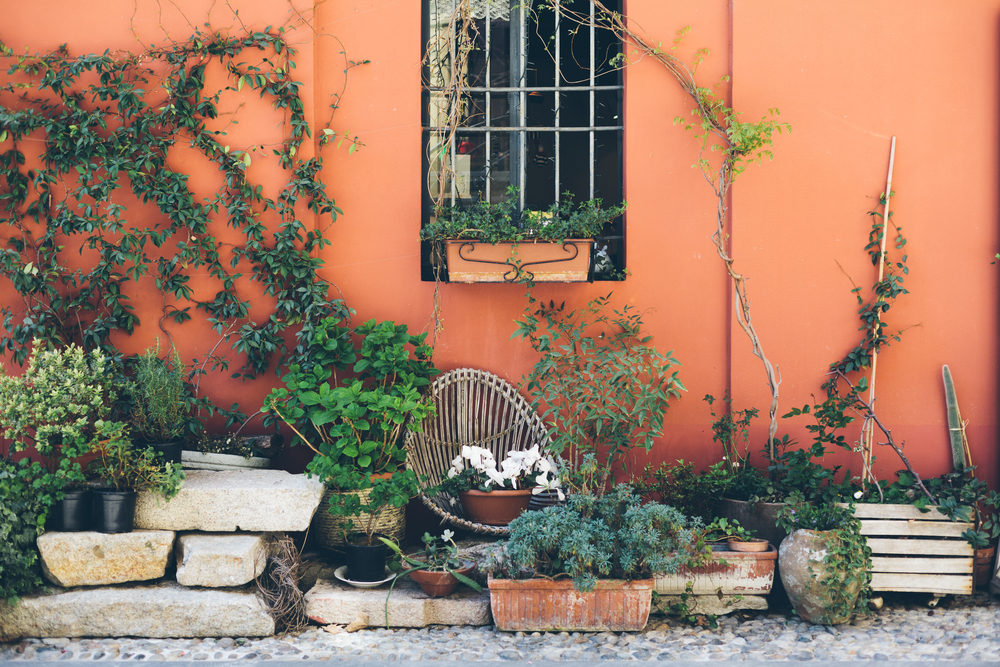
[474, 407]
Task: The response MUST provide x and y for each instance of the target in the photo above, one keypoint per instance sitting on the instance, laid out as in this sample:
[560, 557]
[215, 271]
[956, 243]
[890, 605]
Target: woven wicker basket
[329, 529]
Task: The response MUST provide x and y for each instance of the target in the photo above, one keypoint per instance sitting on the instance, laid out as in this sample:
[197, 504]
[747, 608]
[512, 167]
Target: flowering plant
[476, 468]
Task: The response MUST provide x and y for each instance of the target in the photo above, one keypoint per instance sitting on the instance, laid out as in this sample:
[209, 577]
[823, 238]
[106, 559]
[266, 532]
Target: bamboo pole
[868, 429]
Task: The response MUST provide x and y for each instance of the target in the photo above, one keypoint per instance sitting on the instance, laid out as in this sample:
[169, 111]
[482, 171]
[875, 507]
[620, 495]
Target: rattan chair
[477, 408]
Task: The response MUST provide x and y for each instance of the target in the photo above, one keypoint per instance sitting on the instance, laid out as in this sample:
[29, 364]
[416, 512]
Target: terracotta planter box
[543, 605]
[916, 552]
[745, 573]
[476, 262]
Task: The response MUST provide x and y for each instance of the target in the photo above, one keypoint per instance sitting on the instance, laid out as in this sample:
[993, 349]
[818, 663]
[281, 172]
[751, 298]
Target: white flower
[857, 495]
[447, 535]
[458, 463]
[495, 476]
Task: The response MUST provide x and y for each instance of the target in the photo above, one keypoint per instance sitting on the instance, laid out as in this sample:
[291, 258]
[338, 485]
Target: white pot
[199, 461]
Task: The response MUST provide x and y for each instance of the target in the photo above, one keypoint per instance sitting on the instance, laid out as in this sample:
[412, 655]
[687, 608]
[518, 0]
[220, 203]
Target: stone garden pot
[800, 561]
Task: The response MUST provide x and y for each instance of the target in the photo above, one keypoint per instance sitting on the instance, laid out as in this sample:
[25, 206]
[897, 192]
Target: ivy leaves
[109, 123]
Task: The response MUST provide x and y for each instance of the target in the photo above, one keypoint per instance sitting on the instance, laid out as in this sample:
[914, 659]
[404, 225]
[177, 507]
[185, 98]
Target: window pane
[574, 164]
[540, 171]
[500, 110]
[608, 107]
[574, 109]
[499, 173]
[541, 109]
[607, 166]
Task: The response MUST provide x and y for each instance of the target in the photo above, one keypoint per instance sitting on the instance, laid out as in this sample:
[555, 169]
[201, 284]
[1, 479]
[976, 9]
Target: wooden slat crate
[916, 552]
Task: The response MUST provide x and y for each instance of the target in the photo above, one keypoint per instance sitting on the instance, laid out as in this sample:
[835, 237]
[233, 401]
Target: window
[531, 100]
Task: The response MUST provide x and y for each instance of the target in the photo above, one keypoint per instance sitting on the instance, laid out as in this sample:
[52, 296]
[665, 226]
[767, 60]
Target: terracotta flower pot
[440, 584]
[982, 568]
[496, 508]
[753, 546]
[546, 605]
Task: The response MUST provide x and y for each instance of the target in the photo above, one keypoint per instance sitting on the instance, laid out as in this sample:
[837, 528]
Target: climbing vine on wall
[79, 135]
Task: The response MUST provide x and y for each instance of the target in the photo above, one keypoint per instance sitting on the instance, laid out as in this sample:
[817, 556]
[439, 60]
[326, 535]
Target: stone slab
[231, 500]
[161, 610]
[712, 604]
[99, 559]
[330, 601]
[219, 560]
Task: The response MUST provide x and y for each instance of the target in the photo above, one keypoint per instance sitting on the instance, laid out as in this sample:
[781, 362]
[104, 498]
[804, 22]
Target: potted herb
[125, 471]
[603, 388]
[492, 496]
[354, 423]
[158, 411]
[494, 242]
[436, 568]
[588, 564]
[54, 407]
[825, 563]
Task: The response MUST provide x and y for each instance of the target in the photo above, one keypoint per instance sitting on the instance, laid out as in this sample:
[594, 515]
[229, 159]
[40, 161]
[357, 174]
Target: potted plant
[588, 564]
[436, 568]
[54, 407]
[492, 496]
[493, 242]
[825, 563]
[354, 425]
[158, 411]
[603, 388]
[125, 471]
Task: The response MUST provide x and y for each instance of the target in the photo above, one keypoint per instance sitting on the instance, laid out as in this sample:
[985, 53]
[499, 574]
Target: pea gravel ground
[965, 629]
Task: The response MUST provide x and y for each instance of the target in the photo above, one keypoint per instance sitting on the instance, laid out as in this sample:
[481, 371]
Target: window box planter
[200, 461]
[745, 573]
[539, 605]
[541, 262]
[916, 552]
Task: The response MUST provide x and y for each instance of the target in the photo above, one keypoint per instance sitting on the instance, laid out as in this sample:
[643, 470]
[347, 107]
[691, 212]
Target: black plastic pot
[73, 513]
[114, 511]
[169, 451]
[364, 562]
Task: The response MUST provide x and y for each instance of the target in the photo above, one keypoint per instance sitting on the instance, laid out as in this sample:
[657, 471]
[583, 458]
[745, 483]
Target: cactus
[955, 430]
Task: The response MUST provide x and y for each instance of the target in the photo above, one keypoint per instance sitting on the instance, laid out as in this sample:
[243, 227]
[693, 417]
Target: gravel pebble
[960, 628]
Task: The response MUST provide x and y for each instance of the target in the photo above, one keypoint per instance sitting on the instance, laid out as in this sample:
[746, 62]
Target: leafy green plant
[24, 503]
[86, 128]
[123, 467]
[591, 537]
[723, 528]
[599, 384]
[54, 407]
[501, 222]
[732, 429]
[847, 556]
[695, 493]
[157, 392]
[354, 425]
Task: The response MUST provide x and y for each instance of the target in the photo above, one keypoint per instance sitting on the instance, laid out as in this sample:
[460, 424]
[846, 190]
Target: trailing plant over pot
[825, 562]
[600, 385]
[500, 222]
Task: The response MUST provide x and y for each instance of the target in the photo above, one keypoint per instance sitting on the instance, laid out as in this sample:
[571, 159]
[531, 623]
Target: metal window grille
[541, 111]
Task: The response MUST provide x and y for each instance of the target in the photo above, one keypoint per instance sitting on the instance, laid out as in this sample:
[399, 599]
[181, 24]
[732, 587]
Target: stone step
[231, 500]
[219, 560]
[160, 610]
[99, 559]
[331, 601]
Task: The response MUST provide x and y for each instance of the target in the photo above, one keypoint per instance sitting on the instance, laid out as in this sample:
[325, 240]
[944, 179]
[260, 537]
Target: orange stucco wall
[846, 75]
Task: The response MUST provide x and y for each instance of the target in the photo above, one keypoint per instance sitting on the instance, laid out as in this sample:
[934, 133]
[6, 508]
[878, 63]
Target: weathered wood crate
[916, 552]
